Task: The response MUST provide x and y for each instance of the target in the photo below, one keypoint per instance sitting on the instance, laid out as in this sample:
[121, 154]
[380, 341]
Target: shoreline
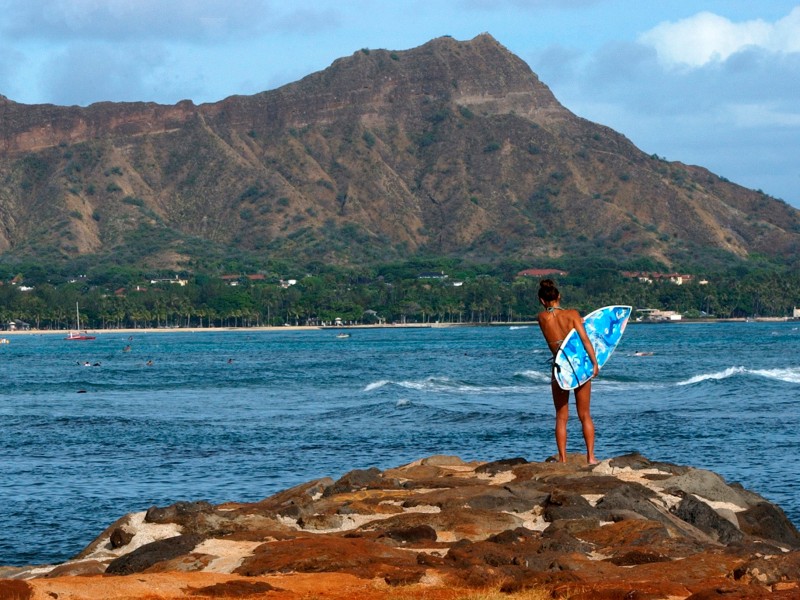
[273, 328]
[130, 331]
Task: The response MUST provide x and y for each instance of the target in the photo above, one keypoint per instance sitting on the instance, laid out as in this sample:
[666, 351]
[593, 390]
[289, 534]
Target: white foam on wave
[729, 372]
[430, 383]
[789, 375]
[437, 384]
[446, 385]
[376, 385]
[610, 385]
[537, 376]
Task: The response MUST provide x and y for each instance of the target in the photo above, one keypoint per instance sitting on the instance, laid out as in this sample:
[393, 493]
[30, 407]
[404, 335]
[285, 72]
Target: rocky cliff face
[626, 528]
[452, 148]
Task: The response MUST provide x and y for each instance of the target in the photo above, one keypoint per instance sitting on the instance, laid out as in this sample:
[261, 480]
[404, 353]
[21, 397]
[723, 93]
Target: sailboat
[77, 334]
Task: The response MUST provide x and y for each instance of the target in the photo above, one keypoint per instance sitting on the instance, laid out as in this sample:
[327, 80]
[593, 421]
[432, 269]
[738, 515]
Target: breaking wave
[788, 375]
[453, 386]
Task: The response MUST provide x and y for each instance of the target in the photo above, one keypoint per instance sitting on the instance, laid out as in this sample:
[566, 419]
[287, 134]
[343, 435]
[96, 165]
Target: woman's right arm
[578, 325]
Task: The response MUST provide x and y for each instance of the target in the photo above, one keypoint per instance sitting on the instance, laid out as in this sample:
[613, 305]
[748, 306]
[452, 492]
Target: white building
[654, 314]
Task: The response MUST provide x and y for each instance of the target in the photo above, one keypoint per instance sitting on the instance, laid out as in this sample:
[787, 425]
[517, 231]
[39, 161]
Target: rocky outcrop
[626, 528]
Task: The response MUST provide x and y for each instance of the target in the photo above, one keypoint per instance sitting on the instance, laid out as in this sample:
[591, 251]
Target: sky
[714, 83]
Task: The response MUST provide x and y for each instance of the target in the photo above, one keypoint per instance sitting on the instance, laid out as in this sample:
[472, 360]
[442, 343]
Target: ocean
[239, 415]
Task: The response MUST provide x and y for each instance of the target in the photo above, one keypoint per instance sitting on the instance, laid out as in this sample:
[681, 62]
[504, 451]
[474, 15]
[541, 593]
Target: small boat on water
[342, 336]
[4, 341]
[78, 334]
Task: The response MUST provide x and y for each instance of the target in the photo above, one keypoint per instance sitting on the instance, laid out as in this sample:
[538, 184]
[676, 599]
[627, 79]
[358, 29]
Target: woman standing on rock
[555, 323]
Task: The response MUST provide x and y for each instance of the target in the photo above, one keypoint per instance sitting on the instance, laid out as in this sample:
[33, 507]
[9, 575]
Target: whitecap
[403, 402]
[449, 386]
[610, 385]
[538, 376]
[789, 375]
[432, 384]
[376, 385]
[729, 372]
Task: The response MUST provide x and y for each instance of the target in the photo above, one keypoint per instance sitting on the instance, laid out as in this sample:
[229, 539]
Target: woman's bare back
[556, 324]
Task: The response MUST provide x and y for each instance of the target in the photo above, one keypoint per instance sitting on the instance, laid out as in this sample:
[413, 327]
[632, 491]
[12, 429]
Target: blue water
[82, 446]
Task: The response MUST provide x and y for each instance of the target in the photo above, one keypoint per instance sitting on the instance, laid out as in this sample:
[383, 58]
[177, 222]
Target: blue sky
[706, 82]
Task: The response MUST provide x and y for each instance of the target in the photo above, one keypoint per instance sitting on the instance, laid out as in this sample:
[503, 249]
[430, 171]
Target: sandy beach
[133, 331]
[146, 330]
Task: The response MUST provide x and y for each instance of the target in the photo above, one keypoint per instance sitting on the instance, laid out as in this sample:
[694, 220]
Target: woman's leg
[561, 402]
[583, 397]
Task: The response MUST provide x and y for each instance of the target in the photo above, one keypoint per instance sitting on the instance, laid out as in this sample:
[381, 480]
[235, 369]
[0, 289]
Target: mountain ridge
[451, 148]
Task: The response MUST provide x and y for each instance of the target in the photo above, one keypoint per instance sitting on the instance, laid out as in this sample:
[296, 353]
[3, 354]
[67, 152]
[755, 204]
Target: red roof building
[541, 273]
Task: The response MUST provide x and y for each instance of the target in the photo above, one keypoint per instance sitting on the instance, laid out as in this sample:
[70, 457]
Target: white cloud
[708, 38]
[731, 107]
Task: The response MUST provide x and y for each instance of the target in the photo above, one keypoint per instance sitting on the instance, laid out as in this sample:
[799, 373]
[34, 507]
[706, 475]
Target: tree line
[389, 294]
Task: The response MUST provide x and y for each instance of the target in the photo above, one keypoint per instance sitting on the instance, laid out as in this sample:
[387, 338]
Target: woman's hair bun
[548, 290]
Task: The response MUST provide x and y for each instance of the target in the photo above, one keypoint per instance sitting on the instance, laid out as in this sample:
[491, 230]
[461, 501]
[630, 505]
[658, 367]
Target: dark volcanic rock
[499, 466]
[706, 484]
[769, 522]
[558, 539]
[513, 536]
[769, 570]
[182, 513]
[637, 557]
[531, 493]
[355, 480]
[292, 502]
[705, 518]
[479, 498]
[414, 534]
[562, 505]
[633, 497]
[121, 537]
[150, 554]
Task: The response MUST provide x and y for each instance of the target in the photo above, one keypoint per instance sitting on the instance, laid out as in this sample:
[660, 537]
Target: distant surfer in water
[556, 323]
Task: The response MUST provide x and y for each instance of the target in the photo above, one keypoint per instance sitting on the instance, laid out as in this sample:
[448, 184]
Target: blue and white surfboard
[605, 327]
